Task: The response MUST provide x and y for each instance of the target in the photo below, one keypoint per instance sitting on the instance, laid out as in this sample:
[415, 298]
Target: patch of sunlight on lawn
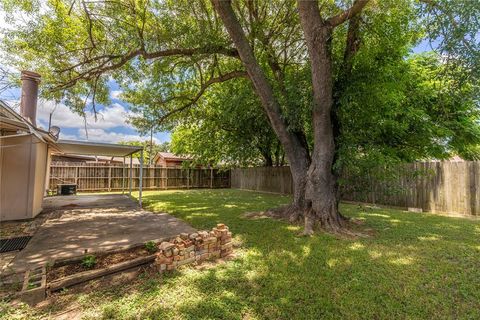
[374, 254]
[376, 215]
[306, 250]
[430, 238]
[415, 266]
[402, 261]
[200, 214]
[356, 246]
[332, 262]
[293, 228]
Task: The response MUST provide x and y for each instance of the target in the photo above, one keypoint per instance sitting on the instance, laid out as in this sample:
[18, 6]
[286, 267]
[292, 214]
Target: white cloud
[110, 117]
[102, 130]
[115, 94]
[109, 136]
[65, 136]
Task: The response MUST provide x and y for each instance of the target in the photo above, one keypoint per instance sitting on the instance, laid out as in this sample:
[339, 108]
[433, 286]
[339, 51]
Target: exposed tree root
[334, 223]
[291, 213]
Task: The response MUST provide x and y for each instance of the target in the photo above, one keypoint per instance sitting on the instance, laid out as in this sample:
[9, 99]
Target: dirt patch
[70, 205]
[102, 261]
[12, 229]
[257, 215]
[10, 285]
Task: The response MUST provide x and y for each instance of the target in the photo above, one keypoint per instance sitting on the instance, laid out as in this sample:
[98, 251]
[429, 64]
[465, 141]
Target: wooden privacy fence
[267, 179]
[452, 187]
[111, 177]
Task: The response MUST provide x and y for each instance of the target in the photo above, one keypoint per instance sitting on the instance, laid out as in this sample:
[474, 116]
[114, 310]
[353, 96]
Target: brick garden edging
[194, 247]
[181, 250]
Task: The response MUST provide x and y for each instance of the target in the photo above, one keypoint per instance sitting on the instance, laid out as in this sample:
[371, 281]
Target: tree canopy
[334, 80]
[227, 128]
[168, 55]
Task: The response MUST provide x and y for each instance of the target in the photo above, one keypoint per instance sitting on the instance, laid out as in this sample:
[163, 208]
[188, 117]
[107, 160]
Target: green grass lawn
[417, 266]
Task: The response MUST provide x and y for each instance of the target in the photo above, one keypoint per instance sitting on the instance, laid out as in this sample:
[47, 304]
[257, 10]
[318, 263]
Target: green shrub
[151, 246]
[89, 261]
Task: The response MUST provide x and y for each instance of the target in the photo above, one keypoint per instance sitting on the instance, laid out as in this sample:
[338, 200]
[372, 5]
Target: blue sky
[110, 126]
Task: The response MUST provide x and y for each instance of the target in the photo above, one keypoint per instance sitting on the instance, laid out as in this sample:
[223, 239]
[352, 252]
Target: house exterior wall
[23, 165]
[40, 160]
[168, 163]
[173, 163]
[160, 162]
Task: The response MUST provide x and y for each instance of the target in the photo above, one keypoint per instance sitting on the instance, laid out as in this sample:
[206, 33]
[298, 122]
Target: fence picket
[110, 177]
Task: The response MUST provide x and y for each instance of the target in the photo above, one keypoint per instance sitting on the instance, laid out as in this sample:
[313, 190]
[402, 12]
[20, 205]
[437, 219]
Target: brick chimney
[28, 102]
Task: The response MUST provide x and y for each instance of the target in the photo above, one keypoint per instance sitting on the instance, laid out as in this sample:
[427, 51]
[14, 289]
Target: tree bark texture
[295, 148]
[315, 184]
[321, 182]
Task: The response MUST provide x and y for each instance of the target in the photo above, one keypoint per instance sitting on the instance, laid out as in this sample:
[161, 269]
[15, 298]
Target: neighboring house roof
[96, 148]
[74, 157]
[169, 156]
[85, 158]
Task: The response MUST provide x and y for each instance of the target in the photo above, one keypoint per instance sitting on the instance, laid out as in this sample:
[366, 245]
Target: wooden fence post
[109, 178]
[166, 180]
[211, 178]
[123, 176]
[76, 176]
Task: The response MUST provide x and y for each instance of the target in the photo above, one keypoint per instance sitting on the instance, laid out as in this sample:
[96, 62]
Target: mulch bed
[102, 261]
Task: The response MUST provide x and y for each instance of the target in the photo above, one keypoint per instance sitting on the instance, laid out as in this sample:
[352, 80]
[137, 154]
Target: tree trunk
[321, 182]
[277, 154]
[267, 159]
[293, 143]
[314, 181]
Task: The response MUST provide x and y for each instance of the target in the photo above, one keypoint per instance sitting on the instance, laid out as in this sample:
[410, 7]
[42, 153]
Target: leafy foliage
[453, 31]
[89, 261]
[227, 128]
[151, 246]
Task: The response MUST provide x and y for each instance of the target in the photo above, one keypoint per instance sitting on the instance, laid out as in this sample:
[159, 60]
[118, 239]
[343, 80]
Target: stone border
[84, 276]
[178, 251]
[194, 247]
[34, 286]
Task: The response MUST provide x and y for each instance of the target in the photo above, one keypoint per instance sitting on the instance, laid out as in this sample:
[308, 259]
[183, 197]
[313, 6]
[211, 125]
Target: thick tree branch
[297, 154]
[204, 86]
[352, 45]
[355, 9]
[90, 24]
[113, 62]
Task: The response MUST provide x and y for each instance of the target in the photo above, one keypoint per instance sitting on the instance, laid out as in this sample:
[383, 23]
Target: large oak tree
[167, 54]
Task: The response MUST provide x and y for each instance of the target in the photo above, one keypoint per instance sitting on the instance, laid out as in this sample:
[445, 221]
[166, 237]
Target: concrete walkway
[93, 223]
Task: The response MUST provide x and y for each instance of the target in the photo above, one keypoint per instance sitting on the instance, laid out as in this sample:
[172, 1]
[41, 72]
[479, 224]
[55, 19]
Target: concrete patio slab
[93, 223]
[89, 201]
